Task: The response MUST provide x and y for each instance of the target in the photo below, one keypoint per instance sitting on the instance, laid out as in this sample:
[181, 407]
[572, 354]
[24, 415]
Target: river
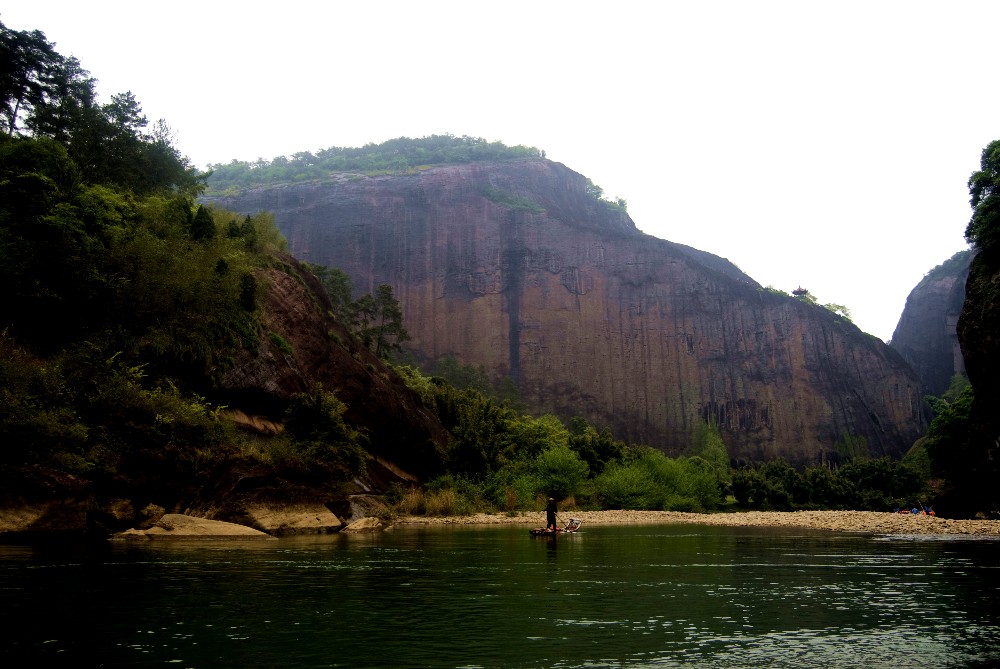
[609, 596]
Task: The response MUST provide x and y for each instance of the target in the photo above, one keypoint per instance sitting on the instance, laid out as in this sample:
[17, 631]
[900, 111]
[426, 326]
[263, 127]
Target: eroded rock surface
[515, 267]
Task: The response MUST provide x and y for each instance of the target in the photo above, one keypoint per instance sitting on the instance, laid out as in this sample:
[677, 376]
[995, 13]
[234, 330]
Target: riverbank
[870, 522]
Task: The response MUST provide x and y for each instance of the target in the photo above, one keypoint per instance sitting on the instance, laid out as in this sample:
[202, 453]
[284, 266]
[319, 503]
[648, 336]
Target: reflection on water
[635, 596]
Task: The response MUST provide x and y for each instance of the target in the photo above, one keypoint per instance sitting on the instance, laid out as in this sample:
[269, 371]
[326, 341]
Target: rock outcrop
[926, 334]
[307, 346]
[179, 526]
[515, 266]
[979, 334]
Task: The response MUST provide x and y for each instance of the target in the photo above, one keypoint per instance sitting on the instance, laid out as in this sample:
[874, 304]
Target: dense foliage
[983, 231]
[376, 319]
[948, 268]
[392, 156]
[963, 456]
[501, 459]
[961, 444]
[46, 95]
[877, 484]
[123, 300]
[403, 155]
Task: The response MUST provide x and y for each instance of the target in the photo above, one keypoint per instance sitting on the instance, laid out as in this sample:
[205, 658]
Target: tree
[338, 288]
[597, 448]
[839, 309]
[462, 376]
[479, 428]
[70, 104]
[964, 455]
[712, 449]
[594, 190]
[560, 471]
[379, 320]
[44, 94]
[26, 59]
[203, 225]
[983, 230]
[315, 424]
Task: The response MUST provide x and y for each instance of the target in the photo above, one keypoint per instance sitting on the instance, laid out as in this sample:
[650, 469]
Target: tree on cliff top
[983, 230]
[395, 156]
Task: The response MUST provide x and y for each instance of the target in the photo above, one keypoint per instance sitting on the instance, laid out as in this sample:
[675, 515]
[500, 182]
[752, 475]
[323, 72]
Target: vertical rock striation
[514, 266]
[926, 334]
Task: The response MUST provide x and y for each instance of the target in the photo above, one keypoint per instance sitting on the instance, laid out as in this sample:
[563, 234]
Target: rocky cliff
[926, 334]
[979, 334]
[307, 347]
[516, 267]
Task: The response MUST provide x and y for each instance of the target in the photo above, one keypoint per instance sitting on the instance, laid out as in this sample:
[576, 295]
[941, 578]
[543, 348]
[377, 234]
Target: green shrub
[560, 471]
[624, 486]
[280, 342]
[328, 446]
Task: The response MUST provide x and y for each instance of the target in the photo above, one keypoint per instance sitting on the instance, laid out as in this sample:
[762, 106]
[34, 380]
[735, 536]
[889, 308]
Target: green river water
[614, 596]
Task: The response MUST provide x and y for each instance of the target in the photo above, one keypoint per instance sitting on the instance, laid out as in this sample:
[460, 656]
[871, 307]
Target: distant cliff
[926, 334]
[516, 266]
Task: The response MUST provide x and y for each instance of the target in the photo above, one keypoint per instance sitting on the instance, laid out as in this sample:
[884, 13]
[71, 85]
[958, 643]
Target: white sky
[821, 144]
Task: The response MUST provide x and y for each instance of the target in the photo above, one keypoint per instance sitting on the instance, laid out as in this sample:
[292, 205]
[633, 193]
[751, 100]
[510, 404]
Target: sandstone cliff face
[926, 334]
[513, 266]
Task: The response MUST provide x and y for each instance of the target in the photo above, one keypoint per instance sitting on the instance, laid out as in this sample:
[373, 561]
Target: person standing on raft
[550, 514]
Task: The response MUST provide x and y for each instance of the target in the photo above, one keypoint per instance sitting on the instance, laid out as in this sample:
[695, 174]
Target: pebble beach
[869, 522]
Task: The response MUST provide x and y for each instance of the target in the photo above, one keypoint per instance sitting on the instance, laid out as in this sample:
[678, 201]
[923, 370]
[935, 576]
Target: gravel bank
[870, 522]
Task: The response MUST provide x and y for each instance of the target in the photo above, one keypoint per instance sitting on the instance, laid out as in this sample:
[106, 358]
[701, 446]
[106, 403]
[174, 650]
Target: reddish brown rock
[514, 266]
[305, 345]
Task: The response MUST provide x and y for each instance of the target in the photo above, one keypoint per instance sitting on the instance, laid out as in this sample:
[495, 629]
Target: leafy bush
[868, 484]
[560, 471]
[36, 421]
[315, 425]
[513, 487]
[625, 486]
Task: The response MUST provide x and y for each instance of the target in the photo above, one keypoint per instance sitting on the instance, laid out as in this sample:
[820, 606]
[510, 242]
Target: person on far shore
[550, 514]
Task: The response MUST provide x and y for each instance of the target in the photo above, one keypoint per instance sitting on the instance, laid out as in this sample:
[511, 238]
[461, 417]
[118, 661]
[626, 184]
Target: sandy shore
[870, 522]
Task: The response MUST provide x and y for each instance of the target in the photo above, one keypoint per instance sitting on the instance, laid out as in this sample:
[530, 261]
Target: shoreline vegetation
[867, 522]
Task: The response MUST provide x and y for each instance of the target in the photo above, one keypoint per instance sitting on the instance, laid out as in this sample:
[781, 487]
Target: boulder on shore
[179, 526]
[367, 524]
[284, 520]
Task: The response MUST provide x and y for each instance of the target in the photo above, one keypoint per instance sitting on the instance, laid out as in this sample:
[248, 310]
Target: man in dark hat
[550, 514]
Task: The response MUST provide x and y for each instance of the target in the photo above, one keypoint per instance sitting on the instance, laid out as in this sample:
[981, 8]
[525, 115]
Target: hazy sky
[821, 144]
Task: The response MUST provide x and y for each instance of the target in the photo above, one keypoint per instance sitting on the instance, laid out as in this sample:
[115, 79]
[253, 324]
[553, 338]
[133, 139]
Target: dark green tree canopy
[395, 155]
[379, 321]
[28, 63]
[983, 230]
[338, 287]
[45, 94]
